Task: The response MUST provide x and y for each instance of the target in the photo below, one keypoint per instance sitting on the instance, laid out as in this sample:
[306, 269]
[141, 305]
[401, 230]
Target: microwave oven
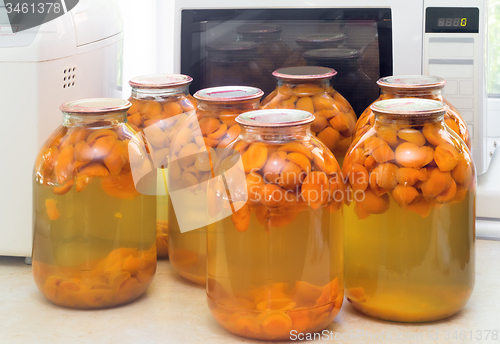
[388, 37]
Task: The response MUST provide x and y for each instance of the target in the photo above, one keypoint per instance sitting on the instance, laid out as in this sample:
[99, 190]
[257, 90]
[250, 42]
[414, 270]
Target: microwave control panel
[453, 50]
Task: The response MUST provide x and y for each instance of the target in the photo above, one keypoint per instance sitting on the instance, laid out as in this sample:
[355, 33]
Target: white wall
[140, 52]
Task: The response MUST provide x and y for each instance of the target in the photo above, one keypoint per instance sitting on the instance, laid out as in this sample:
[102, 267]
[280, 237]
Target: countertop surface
[175, 311]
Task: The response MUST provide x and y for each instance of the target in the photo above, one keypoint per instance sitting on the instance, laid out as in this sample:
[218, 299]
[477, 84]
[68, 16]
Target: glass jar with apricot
[308, 89]
[415, 86]
[275, 264]
[94, 233]
[194, 150]
[159, 102]
[409, 227]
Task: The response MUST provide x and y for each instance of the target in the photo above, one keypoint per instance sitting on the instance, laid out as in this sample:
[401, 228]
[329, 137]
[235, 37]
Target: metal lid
[259, 29]
[226, 94]
[409, 107]
[274, 118]
[232, 46]
[332, 54]
[411, 82]
[95, 106]
[321, 38]
[304, 73]
[154, 81]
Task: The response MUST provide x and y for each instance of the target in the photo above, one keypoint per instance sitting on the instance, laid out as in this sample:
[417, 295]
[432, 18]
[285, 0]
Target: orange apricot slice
[322, 102]
[135, 119]
[150, 109]
[330, 137]
[228, 118]
[52, 211]
[306, 294]
[233, 132]
[315, 189]
[410, 176]
[460, 194]
[301, 160]
[305, 104]
[410, 155]
[82, 180]
[272, 195]
[116, 159]
[219, 133]
[100, 133]
[120, 186]
[135, 105]
[254, 184]
[102, 146]
[94, 169]
[49, 158]
[246, 326]
[83, 152]
[372, 143]
[446, 157]
[63, 189]
[296, 147]
[383, 153]
[374, 186]
[404, 195]
[358, 177]
[288, 103]
[63, 167]
[374, 204]
[172, 109]
[412, 135]
[420, 206]
[274, 166]
[358, 294]
[276, 325]
[291, 176]
[241, 218]
[327, 113]
[208, 125]
[462, 173]
[318, 124]
[303, 90]
[447, 195]
[433, 132]
[342, 122]
[386, 175]
[370, 163]
[438, 181]
[254, 157]
[389, 135]
[355, 156]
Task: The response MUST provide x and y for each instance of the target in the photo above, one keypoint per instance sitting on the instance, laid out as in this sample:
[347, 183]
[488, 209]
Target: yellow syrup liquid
[400, 266]
[99, 251]
[267, 281]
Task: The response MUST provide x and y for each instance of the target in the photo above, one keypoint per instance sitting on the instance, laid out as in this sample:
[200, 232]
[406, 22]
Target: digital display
[452, 19]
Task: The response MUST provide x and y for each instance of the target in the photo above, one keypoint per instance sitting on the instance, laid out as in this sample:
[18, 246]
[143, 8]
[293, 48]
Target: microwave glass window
[244, 46]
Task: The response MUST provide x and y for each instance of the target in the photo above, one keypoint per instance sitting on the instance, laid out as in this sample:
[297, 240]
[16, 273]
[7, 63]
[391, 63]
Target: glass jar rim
[332, 54]
[321, 38]
[409, 107]
[160, 81]
[304, 73]
[275, 118]
[412, 82]
[228, 94]
[94, 106]
[238, 46]
[259, 29]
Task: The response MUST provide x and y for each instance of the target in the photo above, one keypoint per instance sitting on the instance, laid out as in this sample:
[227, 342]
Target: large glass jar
[275, 266]
[313, 41]
[157, 100]
[409, 229]
[271, 52]
[350, 81]
[233, 63]
[94, 233]
[193, 152]
[308, 89]
[415, 86]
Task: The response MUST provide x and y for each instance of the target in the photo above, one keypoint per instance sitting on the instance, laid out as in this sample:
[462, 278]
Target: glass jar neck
[216, 107]
[275, 135]
[71, 120]
[434, 94]
[259, 37]
[324, 83]
[390, 119]
[159, 93]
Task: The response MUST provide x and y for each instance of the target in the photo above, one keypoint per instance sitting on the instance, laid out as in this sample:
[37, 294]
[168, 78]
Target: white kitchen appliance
[77, 55]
